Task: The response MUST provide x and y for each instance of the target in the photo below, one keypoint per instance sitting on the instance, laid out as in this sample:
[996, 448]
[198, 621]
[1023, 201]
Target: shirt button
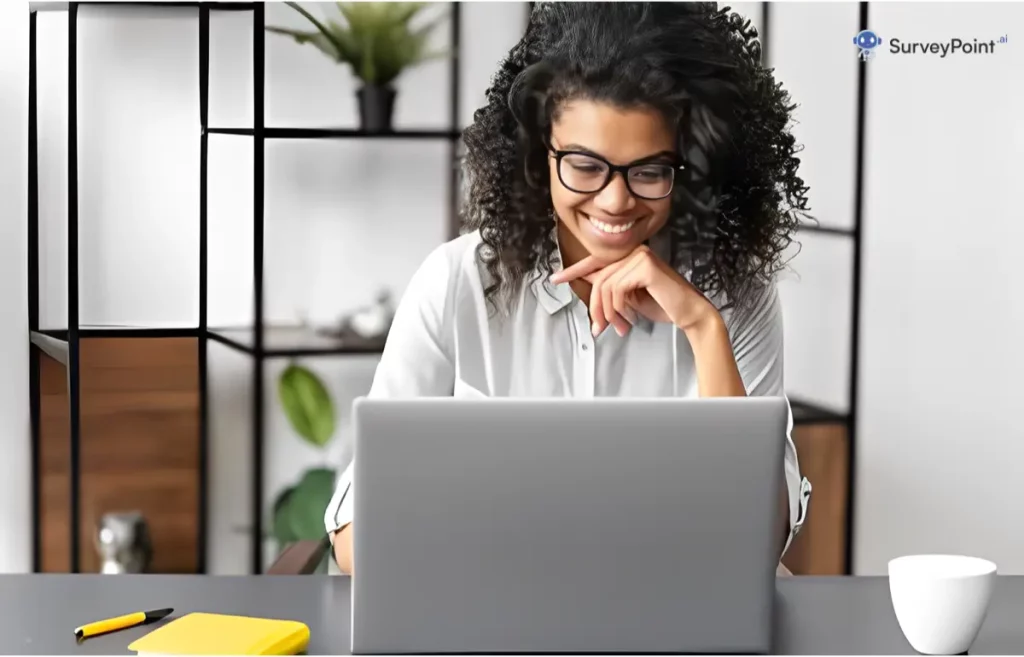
[585, 347]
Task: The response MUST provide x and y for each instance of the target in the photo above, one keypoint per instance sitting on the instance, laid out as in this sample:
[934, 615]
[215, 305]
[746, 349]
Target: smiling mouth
[611, 229]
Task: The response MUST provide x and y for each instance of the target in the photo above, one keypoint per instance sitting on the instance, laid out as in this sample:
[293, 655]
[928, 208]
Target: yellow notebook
[218, 634]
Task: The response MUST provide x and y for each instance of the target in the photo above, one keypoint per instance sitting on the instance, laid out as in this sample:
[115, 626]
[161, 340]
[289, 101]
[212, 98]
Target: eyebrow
[579, 148]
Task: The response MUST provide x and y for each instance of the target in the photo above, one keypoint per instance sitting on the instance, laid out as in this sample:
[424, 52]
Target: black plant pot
[376, 105]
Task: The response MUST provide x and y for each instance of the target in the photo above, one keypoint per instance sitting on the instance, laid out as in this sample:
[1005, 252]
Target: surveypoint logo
[866, 42]
[868, 46]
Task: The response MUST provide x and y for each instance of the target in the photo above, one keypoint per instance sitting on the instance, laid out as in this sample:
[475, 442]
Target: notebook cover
[201, 633]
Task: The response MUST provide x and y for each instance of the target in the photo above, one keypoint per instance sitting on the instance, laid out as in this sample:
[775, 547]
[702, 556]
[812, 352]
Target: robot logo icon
[866, 42]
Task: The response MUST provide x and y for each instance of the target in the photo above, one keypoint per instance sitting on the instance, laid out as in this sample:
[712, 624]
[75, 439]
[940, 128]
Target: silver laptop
[566, 526]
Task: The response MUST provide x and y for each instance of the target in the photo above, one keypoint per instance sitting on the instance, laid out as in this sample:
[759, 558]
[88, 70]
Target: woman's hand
[641, 283]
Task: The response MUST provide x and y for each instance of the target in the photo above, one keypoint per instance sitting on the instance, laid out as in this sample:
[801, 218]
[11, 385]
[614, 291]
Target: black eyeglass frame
[676, 165]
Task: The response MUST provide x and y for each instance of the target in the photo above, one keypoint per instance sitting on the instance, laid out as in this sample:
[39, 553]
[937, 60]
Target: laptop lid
[566, 526]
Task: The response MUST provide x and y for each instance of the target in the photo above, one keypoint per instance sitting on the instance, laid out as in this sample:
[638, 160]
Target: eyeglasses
[585, 173]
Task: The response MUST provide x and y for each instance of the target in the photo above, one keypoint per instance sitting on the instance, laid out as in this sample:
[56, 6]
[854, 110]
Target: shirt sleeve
[416, 362]
[757, 338]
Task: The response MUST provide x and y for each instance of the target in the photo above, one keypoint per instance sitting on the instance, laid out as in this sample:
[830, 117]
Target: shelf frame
[74, 388]
[858, 271]
[33, 296]
[64, 344]
[202, 350]
[258, 394]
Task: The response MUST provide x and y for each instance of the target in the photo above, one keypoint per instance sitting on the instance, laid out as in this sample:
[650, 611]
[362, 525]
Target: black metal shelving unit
[257, 341]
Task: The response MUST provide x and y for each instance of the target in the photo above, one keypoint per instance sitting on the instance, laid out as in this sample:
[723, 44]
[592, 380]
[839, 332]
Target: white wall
[941, 442]
[15, 484]
[342, 218]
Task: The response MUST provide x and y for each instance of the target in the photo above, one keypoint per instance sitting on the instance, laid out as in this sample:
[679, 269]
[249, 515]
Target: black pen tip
[157, 614]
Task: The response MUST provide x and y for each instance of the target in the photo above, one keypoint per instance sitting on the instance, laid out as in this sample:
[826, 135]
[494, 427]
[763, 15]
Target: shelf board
[126, 332]
[53, 347]
[826, 230]
[340, 133]
[810, 413]
[288, 341]
[220, 6]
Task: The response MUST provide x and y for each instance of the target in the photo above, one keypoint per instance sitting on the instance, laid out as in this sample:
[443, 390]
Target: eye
[584, 165]
[651, 173]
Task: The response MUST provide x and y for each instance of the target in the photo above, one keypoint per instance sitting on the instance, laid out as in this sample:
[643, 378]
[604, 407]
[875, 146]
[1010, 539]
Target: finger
[599, 322]
[603, 308]
[616, 319]
[602, 274]
[624, 286]
[619, 322]
[588, 265]
[597, 305]
[596, 313]
[621, 294]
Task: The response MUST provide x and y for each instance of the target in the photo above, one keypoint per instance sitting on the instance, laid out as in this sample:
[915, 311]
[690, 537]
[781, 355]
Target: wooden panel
[54, 462]
[140, 443]
[820, 548]
[139, 447]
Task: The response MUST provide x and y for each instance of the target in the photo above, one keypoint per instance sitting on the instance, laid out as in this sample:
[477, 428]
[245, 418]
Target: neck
[572, 251]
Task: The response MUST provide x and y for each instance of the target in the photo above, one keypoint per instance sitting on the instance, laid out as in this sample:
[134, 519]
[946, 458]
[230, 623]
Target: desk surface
[816, 615]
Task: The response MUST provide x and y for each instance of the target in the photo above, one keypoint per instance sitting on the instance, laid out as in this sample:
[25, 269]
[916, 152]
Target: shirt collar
[554, 298]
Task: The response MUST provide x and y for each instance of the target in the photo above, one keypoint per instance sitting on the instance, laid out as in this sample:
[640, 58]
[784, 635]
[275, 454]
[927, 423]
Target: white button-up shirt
[444, 341]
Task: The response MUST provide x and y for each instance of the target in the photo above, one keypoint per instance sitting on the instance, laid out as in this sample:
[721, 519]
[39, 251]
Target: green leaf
[307, 404]
[304, 512]
[348, 48]
[402, 12]
[312, 19]
[282, 518]
[324, 44]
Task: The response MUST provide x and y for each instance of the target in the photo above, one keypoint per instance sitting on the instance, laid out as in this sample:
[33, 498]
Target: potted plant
[378, 42]
[299, 509]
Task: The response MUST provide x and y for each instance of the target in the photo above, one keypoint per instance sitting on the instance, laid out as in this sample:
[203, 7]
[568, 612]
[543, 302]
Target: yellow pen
[120, 623]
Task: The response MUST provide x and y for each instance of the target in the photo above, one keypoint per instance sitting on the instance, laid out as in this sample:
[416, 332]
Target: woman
[631, 187]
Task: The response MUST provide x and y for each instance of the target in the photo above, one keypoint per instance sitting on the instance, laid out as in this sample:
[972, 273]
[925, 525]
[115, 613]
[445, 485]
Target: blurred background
[903, 347]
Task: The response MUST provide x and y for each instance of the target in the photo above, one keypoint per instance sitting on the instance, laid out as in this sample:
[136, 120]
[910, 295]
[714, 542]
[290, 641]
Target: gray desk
[38, 613]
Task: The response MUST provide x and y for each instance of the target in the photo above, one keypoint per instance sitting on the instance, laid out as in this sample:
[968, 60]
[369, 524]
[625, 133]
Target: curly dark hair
[740, 198]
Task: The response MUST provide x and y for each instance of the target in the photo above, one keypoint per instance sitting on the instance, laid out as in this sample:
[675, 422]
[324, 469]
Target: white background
[938, 440]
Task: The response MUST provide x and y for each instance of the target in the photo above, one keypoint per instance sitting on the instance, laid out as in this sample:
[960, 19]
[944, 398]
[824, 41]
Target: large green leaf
[299, 511]
[307, 404]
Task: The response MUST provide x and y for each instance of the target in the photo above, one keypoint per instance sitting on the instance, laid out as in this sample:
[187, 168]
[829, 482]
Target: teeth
[609, 228]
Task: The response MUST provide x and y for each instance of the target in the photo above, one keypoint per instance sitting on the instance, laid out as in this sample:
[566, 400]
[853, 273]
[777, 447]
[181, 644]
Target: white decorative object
[373, 321]
[124, 543]
[941, 600]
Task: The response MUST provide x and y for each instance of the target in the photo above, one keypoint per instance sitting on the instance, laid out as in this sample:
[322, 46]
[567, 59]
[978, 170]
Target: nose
[615, 198]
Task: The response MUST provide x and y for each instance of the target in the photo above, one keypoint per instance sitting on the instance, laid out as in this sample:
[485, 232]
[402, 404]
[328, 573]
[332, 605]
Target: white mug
[941, 600]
